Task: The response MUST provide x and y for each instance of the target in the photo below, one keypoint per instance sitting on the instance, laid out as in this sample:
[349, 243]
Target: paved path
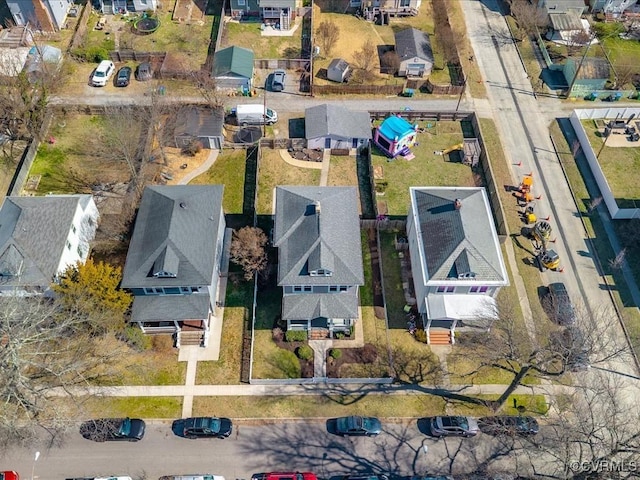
[206, 165]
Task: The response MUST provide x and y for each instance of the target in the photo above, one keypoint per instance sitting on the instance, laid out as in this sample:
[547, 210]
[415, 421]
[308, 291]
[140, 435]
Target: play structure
[470, 148]
[395, 136]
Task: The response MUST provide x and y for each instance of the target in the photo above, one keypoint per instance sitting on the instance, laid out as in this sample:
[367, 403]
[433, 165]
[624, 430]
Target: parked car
[572, 347]
[277, 80]
[203, 427]
[113, 429]
[560, 307]
[453, 426]
[9, 475]
[102, 73]
[509, 425]
[144, 72]
[365, 476]
[358, 426]
[284, 476]
[123, 77]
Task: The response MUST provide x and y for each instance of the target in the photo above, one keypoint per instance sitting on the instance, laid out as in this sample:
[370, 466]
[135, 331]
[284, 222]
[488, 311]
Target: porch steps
[318, 333]
[439, 336]
[191, 338]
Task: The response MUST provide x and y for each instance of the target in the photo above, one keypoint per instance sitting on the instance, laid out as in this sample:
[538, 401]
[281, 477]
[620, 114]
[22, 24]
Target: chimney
[457, 204]
[316, 204]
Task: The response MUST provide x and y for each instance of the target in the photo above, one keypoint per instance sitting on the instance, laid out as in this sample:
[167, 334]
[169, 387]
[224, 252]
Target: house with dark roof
[413, 48]
[336, 127]
[233, 68]
[40, 237]
[456, 261]
[244, 8]
[317, 234]
[280, 14]
[587, 75]
[202, 124]
[174, 261]
[557, 6]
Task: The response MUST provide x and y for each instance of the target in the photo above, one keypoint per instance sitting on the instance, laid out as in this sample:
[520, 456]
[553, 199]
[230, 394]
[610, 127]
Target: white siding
[85, 222]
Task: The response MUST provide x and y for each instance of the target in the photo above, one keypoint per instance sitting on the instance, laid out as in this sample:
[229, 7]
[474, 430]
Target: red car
[9, 475]
[284, 476]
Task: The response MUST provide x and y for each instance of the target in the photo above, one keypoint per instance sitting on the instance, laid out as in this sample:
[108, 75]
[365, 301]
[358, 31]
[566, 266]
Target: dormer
[166, 265]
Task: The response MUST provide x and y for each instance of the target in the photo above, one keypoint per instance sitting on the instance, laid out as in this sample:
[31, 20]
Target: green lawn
[226, 371]
[394, 294]
[320, 406]
[227, 170]
[426, 169]
[274, 171]
[270, 361]
[616, 163]
[73, 163]
[248, 35]
[342, 171]
[136, 407]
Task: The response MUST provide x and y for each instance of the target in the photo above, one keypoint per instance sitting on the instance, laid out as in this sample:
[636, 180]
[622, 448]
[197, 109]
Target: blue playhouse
[395, 136]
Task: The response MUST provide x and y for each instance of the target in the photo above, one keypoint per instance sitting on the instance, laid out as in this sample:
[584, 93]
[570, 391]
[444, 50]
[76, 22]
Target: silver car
[454, 426]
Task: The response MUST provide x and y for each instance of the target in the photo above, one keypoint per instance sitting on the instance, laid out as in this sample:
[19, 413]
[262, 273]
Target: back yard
[249, 35]
[394, 177]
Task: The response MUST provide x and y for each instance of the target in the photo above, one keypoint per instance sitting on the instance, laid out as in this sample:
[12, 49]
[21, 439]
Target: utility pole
[464, 87]
[575, 77]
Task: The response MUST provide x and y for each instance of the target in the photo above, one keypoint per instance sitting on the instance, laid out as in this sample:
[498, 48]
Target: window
[172, 290]
[333, 288]
[343, 288]
[73, 228]
[68, 245]
[308, 288]
[451, 289]
[185, 289]
[473, 289]
[297, 289]
[484, 289]
[405, 3]
[443, 289]
[152, 291]
[79, 250]
[241, 3]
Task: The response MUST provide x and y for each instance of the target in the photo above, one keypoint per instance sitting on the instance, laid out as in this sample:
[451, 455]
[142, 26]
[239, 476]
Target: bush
[335, 353]
[420, 335]
[277, 334]
[136, 338]
[295, 336]
[162, 343]
[192, 148]
[95, 53]
[339, 335]
[305, 352]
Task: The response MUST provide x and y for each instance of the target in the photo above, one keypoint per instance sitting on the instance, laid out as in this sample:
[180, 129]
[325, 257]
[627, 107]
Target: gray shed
[338, 70]
[413, 48]
[200, 123]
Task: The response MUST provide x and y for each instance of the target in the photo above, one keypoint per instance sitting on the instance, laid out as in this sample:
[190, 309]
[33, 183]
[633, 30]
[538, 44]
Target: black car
[572, 347]
[144, 72]
[560, 307]
[277, 80]
[509, 425]
[123, 77]
[358, 426]
[198, 427]
[112, 429]
[365, 476]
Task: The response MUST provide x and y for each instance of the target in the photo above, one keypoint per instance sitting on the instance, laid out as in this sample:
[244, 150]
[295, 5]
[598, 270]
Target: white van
[102, 74]
[255, 114]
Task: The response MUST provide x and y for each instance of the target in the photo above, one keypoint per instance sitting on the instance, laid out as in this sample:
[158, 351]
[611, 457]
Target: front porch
[321, 327]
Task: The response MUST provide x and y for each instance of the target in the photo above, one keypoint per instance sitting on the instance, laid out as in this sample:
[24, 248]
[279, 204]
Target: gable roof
[338, 64]
[325, 120]
[457, 242]
[566, 21]
[594, 68]
[233, 60]
[200, 122]
[175, 236]
[318, 228]
[412, 42]
[33, 235]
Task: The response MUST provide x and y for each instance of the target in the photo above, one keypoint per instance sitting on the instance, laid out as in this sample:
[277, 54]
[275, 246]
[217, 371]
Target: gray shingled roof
[412, 42]
[566, 21]
[330, 238]
[458, 241]
[314, 305]
[33, 234]
[325, 120]
[176, 231]
[199, 121]
[170, 307]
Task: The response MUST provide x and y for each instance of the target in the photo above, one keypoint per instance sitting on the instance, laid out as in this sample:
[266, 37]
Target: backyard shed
[335, 127]
[395, 136]
[413, 48]
[199, 123]
[338, 70]
[591, 76]
[233, 68]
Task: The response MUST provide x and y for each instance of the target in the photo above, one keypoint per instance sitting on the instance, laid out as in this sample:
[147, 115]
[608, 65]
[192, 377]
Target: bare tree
[577, 41]
[365, 58]
[624, 74]
[207, 87]
[46, 349]
[530, 18]
[390, 62]
[248, 250]
[328, 34]
[555, 350]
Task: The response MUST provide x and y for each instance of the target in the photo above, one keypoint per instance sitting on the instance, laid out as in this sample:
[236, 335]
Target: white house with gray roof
[40, 237]
[335, 127]
[414, 51]
[317, 233]
[174, 260]
[456, 261]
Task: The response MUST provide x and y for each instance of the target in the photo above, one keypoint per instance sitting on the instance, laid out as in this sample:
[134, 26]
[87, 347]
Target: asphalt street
[401, 451]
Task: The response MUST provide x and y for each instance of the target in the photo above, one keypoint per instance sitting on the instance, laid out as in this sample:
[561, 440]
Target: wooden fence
[81, 27]
[133, 55]
[356, 89]
[414, 115]
[298, 64]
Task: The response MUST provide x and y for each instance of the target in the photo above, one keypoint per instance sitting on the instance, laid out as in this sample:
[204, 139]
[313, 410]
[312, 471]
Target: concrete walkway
[206, 165]
[326, 161]
[320, 348]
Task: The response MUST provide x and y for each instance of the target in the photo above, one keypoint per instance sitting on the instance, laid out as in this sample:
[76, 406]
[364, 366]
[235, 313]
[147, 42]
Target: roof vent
[183, 205]
[457, 203]
[316, 205]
